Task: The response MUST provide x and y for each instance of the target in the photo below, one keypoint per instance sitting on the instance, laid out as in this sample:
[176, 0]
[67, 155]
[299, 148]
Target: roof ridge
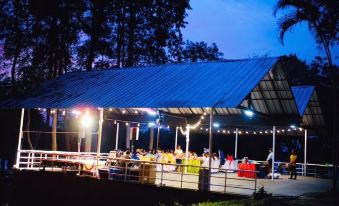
[169, 64]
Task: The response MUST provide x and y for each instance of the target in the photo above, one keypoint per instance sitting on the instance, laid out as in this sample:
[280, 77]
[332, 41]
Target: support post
[176, 138]
[101, 120]
[158, 137]
[128, 136]
[20, 137]
[305, 154]
[236, 143]
[117, 137]
[187, 145]
[273, 150]
[151, 138]
[210, 142]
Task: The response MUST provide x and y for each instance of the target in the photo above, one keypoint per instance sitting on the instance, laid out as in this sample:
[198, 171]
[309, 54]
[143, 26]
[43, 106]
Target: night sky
[243, 28]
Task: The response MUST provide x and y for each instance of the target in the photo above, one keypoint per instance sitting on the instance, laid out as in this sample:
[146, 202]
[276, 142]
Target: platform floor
[279, 187]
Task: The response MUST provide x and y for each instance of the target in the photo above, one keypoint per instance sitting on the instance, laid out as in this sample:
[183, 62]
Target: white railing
[144, 172]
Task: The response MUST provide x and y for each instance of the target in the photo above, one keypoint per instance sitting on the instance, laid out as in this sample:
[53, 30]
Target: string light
[224, 131]
[110, 109]
[123, 111]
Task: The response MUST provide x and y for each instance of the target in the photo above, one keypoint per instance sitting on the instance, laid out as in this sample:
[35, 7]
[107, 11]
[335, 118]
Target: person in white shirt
[270, 159]
[178, 152]
[205, 160]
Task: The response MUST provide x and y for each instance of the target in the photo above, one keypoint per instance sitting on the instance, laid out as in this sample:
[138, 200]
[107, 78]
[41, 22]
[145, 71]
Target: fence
[143, 172]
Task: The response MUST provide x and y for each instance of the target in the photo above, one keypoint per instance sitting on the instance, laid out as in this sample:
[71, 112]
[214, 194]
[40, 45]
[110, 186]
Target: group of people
[291, 166]
[218, 160]
[175, 157]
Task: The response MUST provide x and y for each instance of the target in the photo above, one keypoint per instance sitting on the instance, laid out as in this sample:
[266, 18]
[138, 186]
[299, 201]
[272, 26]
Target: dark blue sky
[242, 28]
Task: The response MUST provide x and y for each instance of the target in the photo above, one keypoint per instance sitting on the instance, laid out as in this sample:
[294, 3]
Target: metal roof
[224, 84]
[302, 95]
[308, 105]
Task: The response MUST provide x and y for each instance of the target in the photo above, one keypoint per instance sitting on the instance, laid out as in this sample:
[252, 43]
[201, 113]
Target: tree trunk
[131, 34]
[13, 70]
[54, 130]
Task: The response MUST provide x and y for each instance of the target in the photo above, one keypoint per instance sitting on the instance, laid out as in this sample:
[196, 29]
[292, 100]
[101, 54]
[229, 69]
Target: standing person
[222, 157]
[178, 152]
[269, 160]
[293, 164]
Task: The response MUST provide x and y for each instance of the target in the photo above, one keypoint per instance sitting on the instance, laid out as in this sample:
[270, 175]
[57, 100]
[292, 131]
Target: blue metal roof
[302, 95]
[223, 84]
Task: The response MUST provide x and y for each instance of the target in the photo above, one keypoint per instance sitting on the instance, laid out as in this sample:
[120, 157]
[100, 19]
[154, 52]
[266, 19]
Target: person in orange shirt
[293, 164]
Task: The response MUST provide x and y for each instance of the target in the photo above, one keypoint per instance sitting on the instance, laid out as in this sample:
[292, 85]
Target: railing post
[182, 174]
[125, 171]
[142, 173]
[18, 154]
[255, 182]
[162, 173]
[225, 181]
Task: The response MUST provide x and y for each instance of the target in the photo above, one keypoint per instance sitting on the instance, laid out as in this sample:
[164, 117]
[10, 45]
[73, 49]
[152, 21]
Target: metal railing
[143, 172]
[174, 175]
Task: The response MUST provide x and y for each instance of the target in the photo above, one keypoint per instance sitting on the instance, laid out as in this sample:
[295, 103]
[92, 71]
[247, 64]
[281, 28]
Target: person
[293, 164]
[178, 152]
[269, 160]
[205, 160]
[222, 157]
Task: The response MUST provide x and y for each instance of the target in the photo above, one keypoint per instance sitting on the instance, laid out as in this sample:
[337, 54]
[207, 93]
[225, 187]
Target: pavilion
[230, 91]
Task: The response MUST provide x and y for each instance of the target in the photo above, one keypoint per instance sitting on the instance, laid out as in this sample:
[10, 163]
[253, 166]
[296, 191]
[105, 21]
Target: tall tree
[200, 52]
[15, 27]
[322, 18]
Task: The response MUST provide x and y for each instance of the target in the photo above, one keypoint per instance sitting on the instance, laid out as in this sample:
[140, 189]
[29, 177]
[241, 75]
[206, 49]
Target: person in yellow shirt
[293, 164]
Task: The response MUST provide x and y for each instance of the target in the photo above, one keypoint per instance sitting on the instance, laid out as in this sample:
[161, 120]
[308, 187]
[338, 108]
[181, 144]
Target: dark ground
[43, 188]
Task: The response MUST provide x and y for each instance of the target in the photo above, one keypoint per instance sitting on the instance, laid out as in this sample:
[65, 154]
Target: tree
[322, 18]
[200, 52]
[15, 27]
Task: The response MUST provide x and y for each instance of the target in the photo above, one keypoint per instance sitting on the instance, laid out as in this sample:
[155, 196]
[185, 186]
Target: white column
[210, 143]
[128, 137]
[101, 120]
[117, 137]
[305, 153]
[236, 143]
[20, 137]
[158, 137]
[176, 138]
[273, 150]
[187, 145]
